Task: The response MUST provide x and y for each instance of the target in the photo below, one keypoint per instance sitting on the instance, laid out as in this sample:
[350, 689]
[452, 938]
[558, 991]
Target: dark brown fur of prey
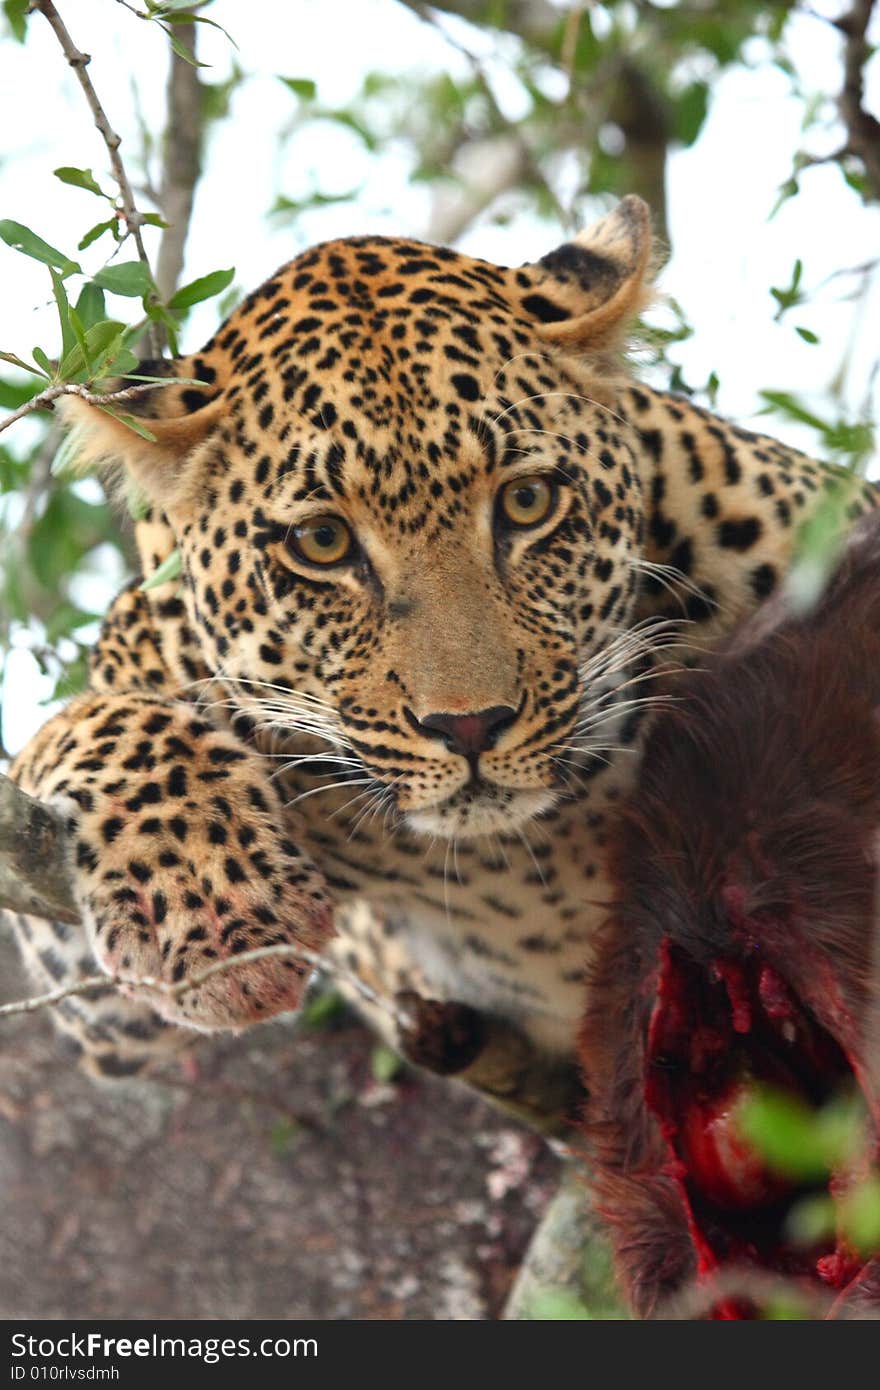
[752, 829]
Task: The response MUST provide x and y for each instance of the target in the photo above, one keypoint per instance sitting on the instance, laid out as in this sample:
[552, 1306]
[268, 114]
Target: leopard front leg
[179, 858]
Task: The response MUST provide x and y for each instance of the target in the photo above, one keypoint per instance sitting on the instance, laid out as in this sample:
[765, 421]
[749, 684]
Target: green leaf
[66, 455]
[131, 279]
[68, 335]
[22, 239]
[138, 503]
[791, 295]
[321, 1009]
[13, 475]
[557, 1305]
[217, 96]
[788, 1308]
[122, 362]
[690, 112]
[190, 17]
[137, 427]
[16, 393]
[811, 1220]
[158, 313]
[104, 345]
[807, 334]
[65, 618]
[168, 570]
[90, 305]
[284, 206]
[282, 1135]
[79, 334]
[67, 529]
[860, 1215]
[790, 189]
[73, 679]
[856, 181]
[98, 340]
[181, 49]
[797, 1141]
[80, 178]
[154, 219]
[385, 1063]
[16, 12]
[111, 225]
[855, 440]
[818, 543]
[789, 405]
[301, 86]
[43, 361]
[203, 288]
[17, 362]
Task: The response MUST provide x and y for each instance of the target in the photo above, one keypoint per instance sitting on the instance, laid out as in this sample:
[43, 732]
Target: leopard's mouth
[481, 808]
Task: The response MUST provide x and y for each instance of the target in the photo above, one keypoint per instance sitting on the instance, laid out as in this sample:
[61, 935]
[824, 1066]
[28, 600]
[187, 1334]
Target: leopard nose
[467, 734]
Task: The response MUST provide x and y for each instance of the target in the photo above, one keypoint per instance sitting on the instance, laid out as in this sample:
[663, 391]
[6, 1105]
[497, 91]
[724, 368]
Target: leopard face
[407, 515]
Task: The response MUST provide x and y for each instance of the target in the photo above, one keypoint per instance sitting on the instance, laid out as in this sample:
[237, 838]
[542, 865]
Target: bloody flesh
[715, 1034]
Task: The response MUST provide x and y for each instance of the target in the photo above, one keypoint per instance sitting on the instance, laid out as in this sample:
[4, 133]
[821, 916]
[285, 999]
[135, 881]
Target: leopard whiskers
[623, 664]
[285, 711]
[308, 760]
[676, 583]
[340, 785]
[644, 639]
[379, 798]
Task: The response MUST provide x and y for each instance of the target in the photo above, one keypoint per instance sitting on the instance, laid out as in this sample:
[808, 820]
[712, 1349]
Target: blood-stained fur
[742, 948]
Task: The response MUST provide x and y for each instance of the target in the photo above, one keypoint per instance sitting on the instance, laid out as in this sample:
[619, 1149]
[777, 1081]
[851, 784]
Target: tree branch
[487, 169]
[620, 90]
[76, 388]
[863, 129]
[33, 857]
[133, 218]
[150, 984]
[567, 1268]
[181, 161]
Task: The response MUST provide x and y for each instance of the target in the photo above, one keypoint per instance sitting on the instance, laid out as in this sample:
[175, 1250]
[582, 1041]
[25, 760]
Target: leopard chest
[503, 923]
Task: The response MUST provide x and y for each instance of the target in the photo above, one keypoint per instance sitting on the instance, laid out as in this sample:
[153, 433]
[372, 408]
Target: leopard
[436, 545]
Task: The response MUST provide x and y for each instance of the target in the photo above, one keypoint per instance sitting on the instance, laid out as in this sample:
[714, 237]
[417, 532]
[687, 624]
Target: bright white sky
[726, 253]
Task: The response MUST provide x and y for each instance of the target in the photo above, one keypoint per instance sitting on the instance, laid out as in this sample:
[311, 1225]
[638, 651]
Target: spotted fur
[271, 741]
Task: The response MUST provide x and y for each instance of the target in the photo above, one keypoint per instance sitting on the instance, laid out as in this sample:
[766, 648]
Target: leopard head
[407, 511]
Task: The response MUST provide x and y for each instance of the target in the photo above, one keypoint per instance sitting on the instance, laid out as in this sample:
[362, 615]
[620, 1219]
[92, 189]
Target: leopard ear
[585, 293]
[154, 436]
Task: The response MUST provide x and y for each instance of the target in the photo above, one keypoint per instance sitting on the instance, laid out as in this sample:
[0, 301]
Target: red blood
[838, 1268]
[775, 995]
[721, 1163]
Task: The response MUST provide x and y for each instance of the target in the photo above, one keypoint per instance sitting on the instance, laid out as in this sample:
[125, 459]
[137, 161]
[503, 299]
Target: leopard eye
[527, 501]
[322, 540]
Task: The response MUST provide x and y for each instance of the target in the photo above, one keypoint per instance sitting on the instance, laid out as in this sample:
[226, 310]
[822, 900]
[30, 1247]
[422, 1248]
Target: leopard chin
[481, 809]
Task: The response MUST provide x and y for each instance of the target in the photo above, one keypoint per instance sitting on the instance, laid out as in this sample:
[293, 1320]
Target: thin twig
[133, 218]
[151, 983]
[75, 388]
